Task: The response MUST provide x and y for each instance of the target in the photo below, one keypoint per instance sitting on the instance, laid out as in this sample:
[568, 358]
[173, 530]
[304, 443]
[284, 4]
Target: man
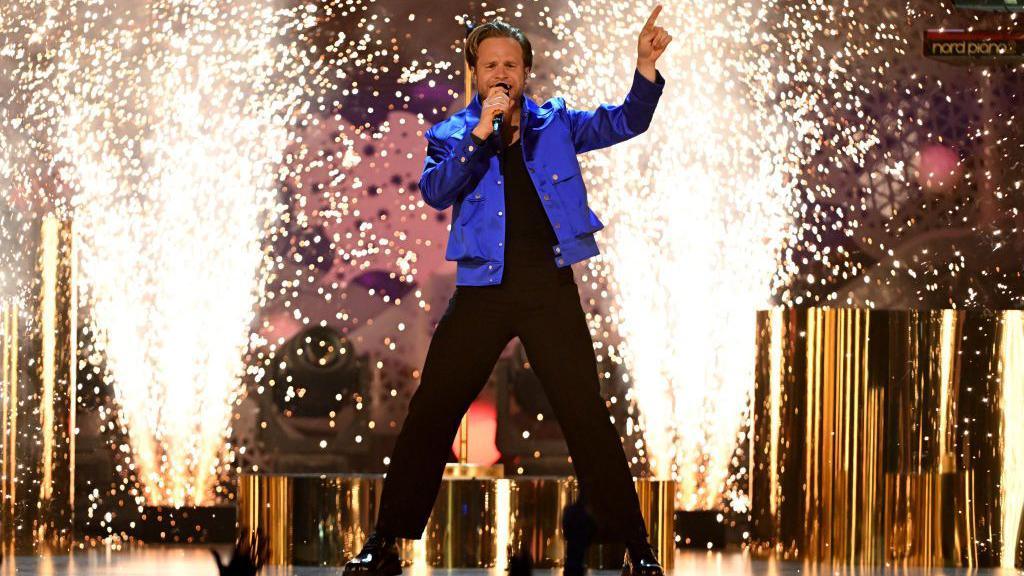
[519, 220]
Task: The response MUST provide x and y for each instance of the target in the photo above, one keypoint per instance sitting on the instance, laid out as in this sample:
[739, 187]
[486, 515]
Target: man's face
[500, 60]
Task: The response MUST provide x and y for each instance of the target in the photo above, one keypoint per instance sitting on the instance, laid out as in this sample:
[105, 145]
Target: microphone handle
[497, 123]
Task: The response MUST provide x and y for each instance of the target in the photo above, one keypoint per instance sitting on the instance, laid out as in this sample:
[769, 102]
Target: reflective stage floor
[197, 561]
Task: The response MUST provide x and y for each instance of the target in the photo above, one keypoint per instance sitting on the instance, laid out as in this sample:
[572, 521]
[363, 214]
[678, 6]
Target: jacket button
[532, 170]
[477, 196]
[546, 197]
[500, 213]
[561, 261]
[557, 225]
[490, 267]
[500, 244]
[555, 177]
[499, 182]
[558, 250]
[471, 148]
[463, 159]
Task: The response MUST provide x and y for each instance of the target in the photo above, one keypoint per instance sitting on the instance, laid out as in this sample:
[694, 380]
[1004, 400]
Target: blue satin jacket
[461, 173]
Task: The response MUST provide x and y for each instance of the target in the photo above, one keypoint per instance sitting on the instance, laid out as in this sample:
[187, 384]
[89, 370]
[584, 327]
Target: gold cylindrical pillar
[657, 502]
[537, 505]
[38, 331]
[537, 522]
[465, 528]
[265, 507]
[889, 436]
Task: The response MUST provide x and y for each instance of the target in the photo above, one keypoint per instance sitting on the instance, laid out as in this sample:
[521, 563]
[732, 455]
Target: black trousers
[471, 335]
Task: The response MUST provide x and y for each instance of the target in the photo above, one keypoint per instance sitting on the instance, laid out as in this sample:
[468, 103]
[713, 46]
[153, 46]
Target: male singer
[508, 169]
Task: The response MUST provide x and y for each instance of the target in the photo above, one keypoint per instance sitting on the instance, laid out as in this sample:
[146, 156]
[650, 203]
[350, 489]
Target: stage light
[317, 373]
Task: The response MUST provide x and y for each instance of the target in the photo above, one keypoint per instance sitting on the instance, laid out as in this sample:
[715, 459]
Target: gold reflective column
[38, 329]
[464, 528]
[322, 520]
[889, 437]
[264, 507]
[536, 527]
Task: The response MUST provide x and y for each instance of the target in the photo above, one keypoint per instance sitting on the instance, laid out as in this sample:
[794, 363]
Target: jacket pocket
[463, 243]
[469, 206]
[472, 225]
[571, 196]
[564, 175]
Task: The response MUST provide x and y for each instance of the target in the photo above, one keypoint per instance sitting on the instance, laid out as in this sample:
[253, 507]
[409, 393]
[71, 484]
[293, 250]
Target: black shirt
[529, 238]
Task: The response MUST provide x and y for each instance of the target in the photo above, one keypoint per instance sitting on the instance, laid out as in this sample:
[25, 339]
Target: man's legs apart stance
[466, 345]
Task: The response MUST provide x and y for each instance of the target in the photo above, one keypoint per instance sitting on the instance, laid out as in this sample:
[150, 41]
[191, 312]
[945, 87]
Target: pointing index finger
[653, 17]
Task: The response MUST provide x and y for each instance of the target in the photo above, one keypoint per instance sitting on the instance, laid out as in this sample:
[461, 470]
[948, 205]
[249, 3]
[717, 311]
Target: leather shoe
[379, 557]
[642, 562]
[579, 528]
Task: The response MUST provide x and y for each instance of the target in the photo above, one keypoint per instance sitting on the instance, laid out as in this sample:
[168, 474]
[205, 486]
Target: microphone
[501, 116]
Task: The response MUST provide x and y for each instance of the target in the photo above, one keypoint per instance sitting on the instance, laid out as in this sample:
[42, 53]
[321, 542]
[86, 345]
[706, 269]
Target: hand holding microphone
[493, 113]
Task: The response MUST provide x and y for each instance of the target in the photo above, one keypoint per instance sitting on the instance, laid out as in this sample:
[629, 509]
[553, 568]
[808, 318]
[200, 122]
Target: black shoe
[379, 557]
[578, 528]
[641, 561]
[520, 564]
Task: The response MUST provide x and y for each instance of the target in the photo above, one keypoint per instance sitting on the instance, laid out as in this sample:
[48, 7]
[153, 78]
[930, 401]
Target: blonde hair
[497, 29]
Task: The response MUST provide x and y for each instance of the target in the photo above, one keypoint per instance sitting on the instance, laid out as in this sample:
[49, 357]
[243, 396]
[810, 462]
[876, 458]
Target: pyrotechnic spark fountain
[695, 226]
[744, 174]
[169, 136]
[1011, 368]
[165, 123]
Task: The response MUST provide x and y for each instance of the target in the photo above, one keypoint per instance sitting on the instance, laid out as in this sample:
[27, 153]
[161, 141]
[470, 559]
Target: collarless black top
[529, 238]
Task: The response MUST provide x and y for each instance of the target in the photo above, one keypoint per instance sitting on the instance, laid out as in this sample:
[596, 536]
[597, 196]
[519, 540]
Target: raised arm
[608, 125]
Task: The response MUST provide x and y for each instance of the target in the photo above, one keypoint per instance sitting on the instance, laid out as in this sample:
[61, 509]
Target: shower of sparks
[696, 213]
[729, 201]
[1011, 484]
[159, 126]
[171, 200]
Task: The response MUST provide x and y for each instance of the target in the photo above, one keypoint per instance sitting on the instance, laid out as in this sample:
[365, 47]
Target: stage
[261, 258]
[197, 561]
